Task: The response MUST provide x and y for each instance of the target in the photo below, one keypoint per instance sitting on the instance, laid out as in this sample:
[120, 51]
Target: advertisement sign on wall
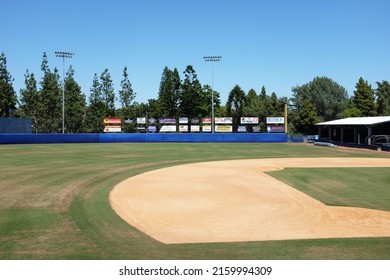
[112, 128]
[206, 128]
[249, 120]
[168, 128]
[275, 120]
[141, 120]
[195, 128]
[167, 121]
[183, 128]
[206, 120]
[241, 128]
[152, 128]
[223, 120]
[275, 129]
[108, 120]
[183, 120]
[223, 128]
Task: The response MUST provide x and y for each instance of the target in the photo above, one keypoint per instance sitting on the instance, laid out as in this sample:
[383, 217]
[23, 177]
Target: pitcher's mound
[227, 201]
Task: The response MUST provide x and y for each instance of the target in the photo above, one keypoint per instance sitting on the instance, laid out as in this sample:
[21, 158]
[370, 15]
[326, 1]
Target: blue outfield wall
[21, 138]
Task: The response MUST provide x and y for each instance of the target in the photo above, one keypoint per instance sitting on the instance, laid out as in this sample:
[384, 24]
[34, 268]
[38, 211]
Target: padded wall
[10, 138]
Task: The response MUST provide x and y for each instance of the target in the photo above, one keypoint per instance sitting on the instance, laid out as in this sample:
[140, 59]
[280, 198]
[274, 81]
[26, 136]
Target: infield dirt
[229, 201]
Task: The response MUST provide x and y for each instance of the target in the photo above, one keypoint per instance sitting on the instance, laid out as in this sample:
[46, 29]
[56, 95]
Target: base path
[228, 201]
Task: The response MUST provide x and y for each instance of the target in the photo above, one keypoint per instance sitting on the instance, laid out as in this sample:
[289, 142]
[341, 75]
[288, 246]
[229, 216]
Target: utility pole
[63, 55]
[212, 59]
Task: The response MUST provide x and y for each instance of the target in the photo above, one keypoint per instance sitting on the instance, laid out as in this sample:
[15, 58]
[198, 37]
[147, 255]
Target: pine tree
[235, 105]
[169, 93]
[8, 96]
[364, 99]
[383, 98]
[126, 93]
[191, 94]
[108, 93]
[306, 118]
[75, 107]
[252, 105]
[96, 108]
[30, 103]
[51, 99]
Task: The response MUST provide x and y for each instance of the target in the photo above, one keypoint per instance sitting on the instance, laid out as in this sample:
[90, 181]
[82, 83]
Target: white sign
[225, 120]
[206, 128]
[195, 128]
[183, 128]
[275, 120]
[112, 128]
[249, 120]
[168, 128]
[183, 120]
[141, 120]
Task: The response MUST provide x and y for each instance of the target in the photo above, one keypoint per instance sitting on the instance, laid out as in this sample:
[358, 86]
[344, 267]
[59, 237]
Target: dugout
[356, 131]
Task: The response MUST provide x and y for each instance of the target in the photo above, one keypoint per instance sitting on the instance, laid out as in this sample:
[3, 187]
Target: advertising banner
[223, 128]
[128, 121]
[249, 120]
[167, 121]
[183, 128]
[275, 120]
[168, 128]
[141, 120]
[241, 128]
[112, 128]
[206, 128]
[152, 128]
[195, 121]
[206, 120]
[195, 128]
[275, 129]
[256, 129]
[152, 120]
[108, 120]
[223, 120]
[183, 120]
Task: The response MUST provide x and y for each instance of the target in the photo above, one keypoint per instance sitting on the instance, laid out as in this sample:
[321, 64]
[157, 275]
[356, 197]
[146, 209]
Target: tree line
[321, 99]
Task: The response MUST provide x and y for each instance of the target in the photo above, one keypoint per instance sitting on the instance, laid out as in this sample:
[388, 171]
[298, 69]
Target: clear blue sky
[275, 43]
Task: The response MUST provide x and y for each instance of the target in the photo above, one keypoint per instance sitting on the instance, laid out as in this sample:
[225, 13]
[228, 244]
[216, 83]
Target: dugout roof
[357, 121]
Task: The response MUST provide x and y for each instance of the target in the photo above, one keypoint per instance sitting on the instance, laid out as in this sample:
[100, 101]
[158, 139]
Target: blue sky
[275, 43]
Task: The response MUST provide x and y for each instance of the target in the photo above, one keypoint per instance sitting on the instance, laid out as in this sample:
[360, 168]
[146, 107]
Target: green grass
[356, 187]
[54, 203]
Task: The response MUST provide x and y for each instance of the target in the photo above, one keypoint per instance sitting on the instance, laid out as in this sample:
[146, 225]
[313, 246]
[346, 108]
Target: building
[358, 131]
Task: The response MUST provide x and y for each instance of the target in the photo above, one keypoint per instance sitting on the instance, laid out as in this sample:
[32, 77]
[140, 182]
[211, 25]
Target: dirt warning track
[229, 201]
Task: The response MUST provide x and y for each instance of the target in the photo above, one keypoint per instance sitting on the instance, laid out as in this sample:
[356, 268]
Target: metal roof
[358, 121]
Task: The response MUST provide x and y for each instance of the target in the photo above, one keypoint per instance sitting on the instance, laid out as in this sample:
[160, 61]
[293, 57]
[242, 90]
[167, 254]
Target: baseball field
[193, 201]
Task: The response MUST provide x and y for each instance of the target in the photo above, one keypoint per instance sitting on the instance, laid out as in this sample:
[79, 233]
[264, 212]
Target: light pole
[63, 55]
[212, 59]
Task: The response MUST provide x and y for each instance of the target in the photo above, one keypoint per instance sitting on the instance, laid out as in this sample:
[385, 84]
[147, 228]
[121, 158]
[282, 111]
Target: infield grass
[54, 202]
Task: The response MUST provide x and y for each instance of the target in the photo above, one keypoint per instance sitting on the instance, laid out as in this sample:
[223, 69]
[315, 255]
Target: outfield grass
[356, 187]
[54, 203]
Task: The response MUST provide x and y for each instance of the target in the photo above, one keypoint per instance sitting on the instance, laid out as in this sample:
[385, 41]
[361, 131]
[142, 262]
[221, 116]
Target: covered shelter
[358, 130]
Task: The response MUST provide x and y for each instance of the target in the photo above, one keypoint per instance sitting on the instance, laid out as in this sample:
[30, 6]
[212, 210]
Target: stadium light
[212, 59]
[63, 55]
